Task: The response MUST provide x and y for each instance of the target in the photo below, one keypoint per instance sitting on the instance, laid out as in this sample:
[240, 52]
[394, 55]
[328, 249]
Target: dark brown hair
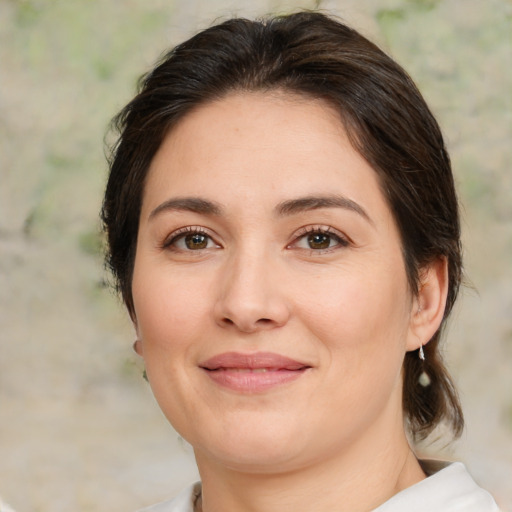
[385, 117]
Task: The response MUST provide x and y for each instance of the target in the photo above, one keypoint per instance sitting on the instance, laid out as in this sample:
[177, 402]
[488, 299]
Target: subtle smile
[253, 373]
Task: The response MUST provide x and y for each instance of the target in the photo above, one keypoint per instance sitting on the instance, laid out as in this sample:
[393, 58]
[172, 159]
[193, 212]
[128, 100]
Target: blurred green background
[79, 429]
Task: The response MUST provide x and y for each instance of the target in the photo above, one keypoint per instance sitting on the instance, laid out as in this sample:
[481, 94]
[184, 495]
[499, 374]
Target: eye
[195, 241]
[190, 239]
[319, 239]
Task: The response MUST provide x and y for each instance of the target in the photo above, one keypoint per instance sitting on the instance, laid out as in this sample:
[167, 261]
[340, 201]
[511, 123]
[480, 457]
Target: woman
[283, 227]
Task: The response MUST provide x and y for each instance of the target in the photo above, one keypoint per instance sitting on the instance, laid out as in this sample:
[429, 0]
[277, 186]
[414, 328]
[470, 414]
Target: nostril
[248, 326]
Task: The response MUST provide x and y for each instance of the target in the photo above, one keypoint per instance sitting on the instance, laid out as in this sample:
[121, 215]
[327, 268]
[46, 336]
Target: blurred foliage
[92, 242]
[27, 12]
[462, 74]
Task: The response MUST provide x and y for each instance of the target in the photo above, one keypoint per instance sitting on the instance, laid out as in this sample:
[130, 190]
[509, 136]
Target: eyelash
[169, 242]
[341, 240]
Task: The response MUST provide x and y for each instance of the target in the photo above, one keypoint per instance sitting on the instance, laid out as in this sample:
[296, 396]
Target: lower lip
[251, 381]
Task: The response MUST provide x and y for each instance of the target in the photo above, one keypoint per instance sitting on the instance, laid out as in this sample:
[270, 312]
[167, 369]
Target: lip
[253, 373]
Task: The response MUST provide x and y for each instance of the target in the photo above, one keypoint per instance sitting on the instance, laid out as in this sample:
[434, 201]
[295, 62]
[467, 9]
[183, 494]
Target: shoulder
[184, 502]
[448, 488]
[4, 507]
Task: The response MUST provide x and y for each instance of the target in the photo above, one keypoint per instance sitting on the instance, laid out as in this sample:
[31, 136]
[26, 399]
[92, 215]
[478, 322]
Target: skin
[333, 439]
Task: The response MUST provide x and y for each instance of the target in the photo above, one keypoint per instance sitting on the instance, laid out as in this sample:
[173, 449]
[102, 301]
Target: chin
[270, 459]
[252, 448]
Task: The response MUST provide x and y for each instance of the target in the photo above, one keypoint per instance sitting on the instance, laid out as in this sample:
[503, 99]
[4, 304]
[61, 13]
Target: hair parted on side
[385, 116]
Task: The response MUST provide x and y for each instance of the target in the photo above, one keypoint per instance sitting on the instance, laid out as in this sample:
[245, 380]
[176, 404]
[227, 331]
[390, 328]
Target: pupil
[319, 241]
[196, 241]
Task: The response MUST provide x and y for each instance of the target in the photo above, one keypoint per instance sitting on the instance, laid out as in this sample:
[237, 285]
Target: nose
[250, 296]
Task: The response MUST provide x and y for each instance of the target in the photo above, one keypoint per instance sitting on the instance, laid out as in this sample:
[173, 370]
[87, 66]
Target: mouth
[252, 373]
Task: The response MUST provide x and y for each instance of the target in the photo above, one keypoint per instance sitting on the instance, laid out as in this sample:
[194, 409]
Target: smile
[252, 373]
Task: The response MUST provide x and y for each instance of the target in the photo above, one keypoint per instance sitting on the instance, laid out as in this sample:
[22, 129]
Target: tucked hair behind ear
[386, 119]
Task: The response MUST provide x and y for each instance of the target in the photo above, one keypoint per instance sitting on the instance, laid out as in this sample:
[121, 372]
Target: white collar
[448, 488]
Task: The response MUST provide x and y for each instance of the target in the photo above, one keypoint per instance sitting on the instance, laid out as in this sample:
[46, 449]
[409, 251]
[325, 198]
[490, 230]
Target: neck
[359, 480]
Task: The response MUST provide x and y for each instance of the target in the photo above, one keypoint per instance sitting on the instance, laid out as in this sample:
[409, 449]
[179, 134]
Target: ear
[429, 304]
[137, 344]
[138, 347]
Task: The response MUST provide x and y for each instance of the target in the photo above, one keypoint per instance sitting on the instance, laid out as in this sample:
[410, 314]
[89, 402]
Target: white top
[449, 488]
[4, 507]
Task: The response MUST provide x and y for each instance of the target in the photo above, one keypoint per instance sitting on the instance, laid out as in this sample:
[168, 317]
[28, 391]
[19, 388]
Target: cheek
[167, 307]
[356, 309]
[361, 323]
[170, 322]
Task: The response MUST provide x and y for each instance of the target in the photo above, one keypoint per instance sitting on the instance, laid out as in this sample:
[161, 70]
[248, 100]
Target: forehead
[258, 120]
[260, 146]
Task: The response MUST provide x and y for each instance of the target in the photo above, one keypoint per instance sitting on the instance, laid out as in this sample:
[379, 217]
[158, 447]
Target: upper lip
[258, 360]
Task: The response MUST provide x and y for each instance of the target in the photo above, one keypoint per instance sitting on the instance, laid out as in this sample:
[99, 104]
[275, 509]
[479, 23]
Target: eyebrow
[304, 204]
[290, 207]
[188, 204]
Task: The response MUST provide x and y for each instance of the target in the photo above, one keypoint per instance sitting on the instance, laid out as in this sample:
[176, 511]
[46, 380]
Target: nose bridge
[249, 297]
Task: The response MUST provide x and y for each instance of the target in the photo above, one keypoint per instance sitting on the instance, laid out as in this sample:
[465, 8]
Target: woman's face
[271, 299]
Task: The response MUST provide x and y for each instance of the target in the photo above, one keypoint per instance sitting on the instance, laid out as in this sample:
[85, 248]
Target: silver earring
[423, 380]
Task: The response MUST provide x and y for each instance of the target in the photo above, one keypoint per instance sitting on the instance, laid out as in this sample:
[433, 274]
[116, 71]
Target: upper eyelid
[343, 240]
[318, 228]
[180, 232]
[303, 231]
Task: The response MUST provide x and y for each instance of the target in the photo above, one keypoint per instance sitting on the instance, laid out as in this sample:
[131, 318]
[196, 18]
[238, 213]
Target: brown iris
[319, 241]
[196, 241]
